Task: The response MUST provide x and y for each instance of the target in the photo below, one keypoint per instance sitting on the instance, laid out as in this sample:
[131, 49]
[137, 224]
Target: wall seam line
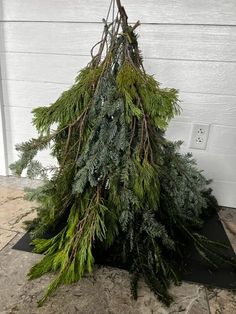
[2, 109]
[131, 22]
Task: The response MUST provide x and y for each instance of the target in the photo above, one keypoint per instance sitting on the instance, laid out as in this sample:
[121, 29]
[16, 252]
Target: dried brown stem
[146, 131]
[123, 15]
[136, 25]
[132, 135]
[68, 140]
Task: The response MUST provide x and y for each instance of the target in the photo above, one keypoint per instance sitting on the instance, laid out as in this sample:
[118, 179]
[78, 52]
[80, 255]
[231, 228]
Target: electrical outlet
[199, 136]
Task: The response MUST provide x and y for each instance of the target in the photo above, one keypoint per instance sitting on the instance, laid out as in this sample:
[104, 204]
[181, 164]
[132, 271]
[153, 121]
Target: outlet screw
[201, 131]
[199, 140]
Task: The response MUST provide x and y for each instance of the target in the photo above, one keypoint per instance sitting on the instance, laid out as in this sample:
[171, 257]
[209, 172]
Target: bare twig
[123, 14]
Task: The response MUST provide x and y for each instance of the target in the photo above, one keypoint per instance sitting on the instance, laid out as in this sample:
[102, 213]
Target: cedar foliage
[121, 191]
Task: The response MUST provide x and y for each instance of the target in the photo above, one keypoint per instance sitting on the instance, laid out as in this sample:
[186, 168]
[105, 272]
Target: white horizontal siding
[148, 11]
[217, 166]
[196, 107]
[187, 76]
[18, 120]
[38, 93]
[208, 108]
[226, 137]
[162, 41]
[186, 44]
[179, 131]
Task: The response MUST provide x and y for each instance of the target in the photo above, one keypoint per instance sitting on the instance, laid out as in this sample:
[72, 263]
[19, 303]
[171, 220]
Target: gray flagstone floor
[106, 291]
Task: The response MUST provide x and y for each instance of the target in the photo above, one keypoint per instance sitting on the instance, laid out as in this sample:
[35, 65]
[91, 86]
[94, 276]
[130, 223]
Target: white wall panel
[195, 76]
[216, 166]
[188, 76]
[225, 192]
[179, 131]
[222, 140]
[18, 120]
[208, 108]
[30, 94]
[148, 11]
[42, 68]
[162, 41]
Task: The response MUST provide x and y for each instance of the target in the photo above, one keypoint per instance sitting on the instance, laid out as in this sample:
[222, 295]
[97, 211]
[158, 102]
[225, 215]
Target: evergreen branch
[121, 187]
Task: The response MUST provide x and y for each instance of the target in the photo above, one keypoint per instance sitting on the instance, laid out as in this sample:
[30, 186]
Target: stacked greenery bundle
[121, 191]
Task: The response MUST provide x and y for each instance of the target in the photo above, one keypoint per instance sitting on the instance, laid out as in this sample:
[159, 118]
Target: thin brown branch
[132, 135]
[145, 128]
[81, 130]
[135, 25]
[123, 15]
[68, 140]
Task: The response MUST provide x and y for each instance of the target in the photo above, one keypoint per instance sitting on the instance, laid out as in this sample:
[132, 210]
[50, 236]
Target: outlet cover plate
[199, 136]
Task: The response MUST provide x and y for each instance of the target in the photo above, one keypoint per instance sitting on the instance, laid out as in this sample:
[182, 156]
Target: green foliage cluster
[120, 185]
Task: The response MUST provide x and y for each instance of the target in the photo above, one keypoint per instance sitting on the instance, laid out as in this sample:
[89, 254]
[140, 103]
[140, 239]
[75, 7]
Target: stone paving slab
[5, 237]
[222, 301]
[14, 266]
[18, 182]
[107, 291]
[14, 210]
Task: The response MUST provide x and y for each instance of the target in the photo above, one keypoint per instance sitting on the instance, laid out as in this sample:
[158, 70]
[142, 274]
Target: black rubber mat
[200, 272]
[196, 270]
[24, 244]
